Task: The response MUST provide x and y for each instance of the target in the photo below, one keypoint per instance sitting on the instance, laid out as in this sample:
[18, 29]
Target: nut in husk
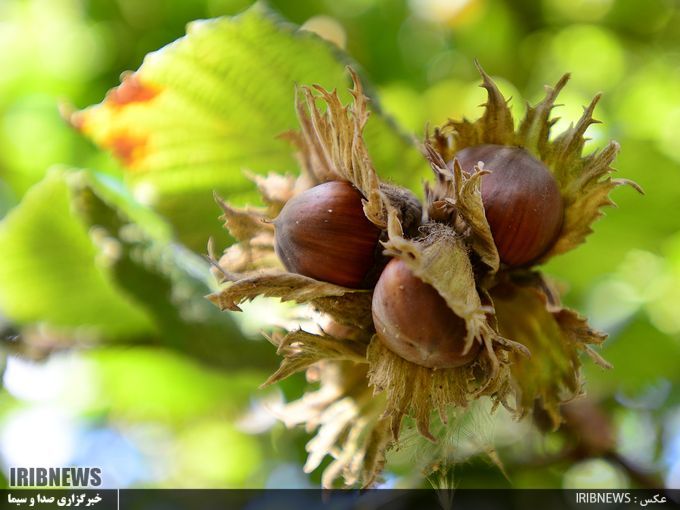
[457, 314]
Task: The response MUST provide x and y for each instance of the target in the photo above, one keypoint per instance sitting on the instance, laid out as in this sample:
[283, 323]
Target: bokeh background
[159, 389]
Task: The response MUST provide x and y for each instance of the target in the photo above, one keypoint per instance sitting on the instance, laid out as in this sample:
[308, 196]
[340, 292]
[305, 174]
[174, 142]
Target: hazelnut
[323, 233]
[521, 199]
[414, 321]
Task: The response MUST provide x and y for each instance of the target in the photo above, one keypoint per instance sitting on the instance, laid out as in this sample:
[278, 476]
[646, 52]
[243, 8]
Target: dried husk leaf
[252, 229]
[301, 349]
[273, 283]
[585, 184]
[254, 255]
[347, 306]
[477, 429]
[457, 196]
[276, 189]
[534, 130]
[440, 258]
[347, 417]
[528, 312]
[332, 147]
[244, 223]
[417, 391]
[584, 181]
[351, 309]
[495, 126]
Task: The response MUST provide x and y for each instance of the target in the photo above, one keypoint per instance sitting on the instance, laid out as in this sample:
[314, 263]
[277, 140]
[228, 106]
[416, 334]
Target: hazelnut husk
[457, 311]
[414, 321]
[323, 233]
[521, 200]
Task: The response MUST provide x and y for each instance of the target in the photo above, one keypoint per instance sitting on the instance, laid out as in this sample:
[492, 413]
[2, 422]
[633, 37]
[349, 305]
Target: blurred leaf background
[110, 355]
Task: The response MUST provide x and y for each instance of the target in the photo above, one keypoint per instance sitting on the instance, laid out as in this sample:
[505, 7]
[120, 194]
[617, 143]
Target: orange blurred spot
[126, 148]
[131, 90]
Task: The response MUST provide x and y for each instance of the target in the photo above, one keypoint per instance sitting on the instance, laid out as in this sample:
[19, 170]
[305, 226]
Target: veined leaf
[165, 279]
[79, 255]
[49, 272]
[204, 108]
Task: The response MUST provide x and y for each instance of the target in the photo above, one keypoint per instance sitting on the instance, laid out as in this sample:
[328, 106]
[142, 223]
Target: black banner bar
[308, 499]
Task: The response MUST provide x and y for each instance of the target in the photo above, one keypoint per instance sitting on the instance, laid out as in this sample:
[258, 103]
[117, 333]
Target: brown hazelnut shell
[414, 321]
[521, 198]
[323, 233]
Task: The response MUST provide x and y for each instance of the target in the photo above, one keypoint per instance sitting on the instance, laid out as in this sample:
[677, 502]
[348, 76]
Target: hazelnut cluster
[426, 305]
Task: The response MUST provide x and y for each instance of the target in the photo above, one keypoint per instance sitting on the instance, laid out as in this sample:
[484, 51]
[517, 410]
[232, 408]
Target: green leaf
[204, 108]
[49, 273]
[165, 279]
[81, 255]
